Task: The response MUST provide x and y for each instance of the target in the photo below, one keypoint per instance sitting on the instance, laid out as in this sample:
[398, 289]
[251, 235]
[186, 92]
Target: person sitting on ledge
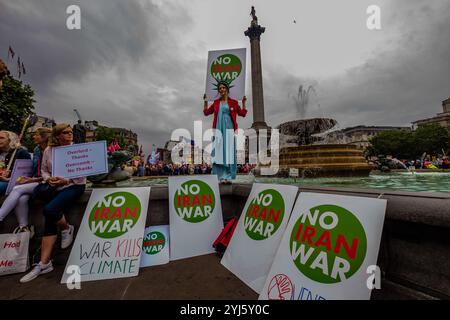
[20, 194]
[58, 193]
[10, 150]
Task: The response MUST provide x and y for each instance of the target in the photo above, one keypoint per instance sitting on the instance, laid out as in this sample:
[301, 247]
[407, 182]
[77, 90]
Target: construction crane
[78, 114]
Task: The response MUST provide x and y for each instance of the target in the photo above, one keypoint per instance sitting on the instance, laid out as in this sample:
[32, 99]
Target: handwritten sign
[80, 160]
[109, 242]
[22, 168]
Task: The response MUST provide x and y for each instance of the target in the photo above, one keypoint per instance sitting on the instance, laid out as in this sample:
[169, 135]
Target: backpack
[222, 241]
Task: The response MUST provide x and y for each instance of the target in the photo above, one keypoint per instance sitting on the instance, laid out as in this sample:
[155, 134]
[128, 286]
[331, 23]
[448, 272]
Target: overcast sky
[141, 64]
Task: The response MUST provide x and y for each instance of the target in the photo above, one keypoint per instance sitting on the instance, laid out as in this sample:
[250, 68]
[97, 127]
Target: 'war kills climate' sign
[228, 66]
[195, 213]
[326, 249]
[109, 242]
[258, 233]
[155, 246]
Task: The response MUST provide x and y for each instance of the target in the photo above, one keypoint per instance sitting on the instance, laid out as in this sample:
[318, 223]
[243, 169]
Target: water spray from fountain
[302, 99]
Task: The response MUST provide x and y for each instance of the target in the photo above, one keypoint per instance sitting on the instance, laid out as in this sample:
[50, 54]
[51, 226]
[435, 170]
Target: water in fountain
[302, 99]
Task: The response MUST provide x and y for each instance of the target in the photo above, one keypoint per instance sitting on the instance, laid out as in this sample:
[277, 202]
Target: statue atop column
[79, 133]
[253, 14]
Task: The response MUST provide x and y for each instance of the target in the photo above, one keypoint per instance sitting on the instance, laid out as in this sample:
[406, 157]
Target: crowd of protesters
[170, 169]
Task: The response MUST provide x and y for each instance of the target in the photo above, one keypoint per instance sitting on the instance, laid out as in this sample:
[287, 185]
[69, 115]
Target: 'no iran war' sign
[326, 249]
[80, 160]
[155, 246]
[228, 66]
[109, 242]
[195, 214]
[258, 233]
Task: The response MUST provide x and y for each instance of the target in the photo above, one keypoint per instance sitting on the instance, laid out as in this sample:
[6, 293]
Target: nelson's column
[254, 33]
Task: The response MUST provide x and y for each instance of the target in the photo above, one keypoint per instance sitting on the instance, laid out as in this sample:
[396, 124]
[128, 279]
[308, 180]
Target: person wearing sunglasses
[58, 194]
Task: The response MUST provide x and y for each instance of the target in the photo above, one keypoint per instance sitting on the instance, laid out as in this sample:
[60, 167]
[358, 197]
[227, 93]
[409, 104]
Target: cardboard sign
[258, 234]
[229, 66]
[80, 160]
[109, 242]
[155, 248]
[22, 168]
[195, 214]
[329, 243]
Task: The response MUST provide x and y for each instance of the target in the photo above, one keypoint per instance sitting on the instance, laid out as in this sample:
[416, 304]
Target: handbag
[14, 252]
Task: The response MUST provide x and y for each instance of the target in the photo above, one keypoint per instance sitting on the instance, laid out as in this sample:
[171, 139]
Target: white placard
[293, 172]
[80, 160]
[109, 242]
[258, 234]
[195, 214]
[22, 168]
[229, 66]
[155, 248]
[326, 249]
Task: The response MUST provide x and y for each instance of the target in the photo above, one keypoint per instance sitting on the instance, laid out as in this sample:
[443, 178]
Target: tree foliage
[16, 103]
[431, 138]
[108, 134]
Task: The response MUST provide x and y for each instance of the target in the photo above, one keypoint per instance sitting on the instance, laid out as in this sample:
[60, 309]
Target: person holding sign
[58, 193]
[10, 150]
[225, 111]
[19, 196]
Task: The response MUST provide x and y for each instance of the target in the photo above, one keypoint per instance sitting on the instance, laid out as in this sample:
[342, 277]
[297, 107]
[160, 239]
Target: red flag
[11, 52]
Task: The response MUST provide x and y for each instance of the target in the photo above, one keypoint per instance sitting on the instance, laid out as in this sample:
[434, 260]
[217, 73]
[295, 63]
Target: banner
[326, 250]
[195, 215]
[258, 234]
[80, 160]
[109, 242]
[22, 168]
[229, 66]
[155, 248]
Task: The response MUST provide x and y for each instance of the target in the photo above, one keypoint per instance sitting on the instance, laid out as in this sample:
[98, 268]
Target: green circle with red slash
[264, 215]
[194, 201]
[226, 67]
[115, 215]
[154, 242]
[333, 249]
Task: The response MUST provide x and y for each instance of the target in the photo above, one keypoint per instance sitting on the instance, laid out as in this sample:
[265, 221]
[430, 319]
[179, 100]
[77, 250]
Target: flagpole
[20, 139]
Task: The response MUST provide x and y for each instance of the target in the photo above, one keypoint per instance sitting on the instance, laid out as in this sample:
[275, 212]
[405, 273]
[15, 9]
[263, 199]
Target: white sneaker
[37, 271]
[67, 237]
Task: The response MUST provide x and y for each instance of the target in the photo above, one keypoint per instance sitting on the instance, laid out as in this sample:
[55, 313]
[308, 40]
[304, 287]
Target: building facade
[359, 135]
[443, 118]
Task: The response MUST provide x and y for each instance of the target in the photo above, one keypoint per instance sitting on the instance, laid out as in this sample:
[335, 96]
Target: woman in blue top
[225, 112]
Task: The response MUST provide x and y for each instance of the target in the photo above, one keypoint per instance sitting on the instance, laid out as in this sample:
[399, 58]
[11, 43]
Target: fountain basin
[326, 160]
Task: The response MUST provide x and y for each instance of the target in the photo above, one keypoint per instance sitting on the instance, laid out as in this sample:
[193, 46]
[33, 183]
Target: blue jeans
[3, 187]
[56, 201]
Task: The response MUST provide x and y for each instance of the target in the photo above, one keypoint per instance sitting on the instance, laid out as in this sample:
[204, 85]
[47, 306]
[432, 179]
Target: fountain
[303, 146]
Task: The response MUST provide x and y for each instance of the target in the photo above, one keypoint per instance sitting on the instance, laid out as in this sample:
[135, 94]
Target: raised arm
[207, 110]
[242, 111]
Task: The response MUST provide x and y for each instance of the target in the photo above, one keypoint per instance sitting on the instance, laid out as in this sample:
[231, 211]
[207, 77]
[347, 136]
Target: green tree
[398, 143]
[16, 103]
[108, 134]
[432, 139]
